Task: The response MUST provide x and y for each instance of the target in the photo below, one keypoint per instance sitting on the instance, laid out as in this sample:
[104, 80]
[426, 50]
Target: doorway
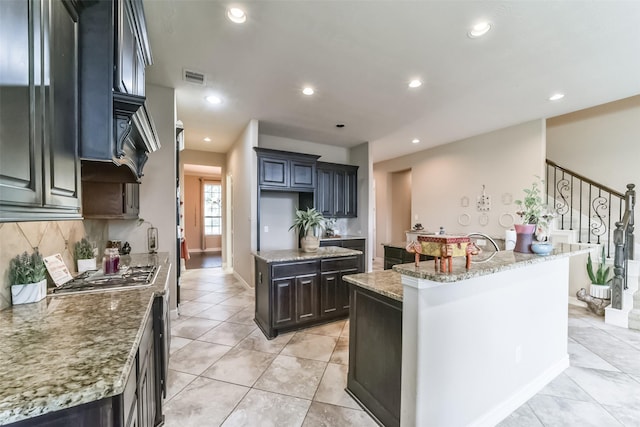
[203, 208]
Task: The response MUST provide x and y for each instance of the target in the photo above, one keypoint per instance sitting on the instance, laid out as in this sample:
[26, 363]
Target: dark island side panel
[375, 354]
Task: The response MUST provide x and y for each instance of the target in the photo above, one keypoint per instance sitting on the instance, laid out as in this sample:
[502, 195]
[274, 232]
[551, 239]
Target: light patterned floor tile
[257, 341]
[332, 385]
[268, 410]
[309, 346]
[193, 327]
[228, 333]
[177, 381]
[239, 366]
[196, 356]
[204, 402]
[292, 376]
[324, 415]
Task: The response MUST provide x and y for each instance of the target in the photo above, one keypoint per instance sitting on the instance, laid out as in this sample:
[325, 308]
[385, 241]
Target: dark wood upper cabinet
[40, 171]
[115, 126]
[337, 192]
[285, 171]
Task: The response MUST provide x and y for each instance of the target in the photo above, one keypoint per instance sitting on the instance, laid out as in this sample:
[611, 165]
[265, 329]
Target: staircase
[588, 212]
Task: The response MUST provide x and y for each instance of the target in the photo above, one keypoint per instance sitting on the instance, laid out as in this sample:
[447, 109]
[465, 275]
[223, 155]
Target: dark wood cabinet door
[339, 201]
[306, 294]
[303, 174]
[359, 245]
[351, 193]
[324, 192]
[126, 61]
[21, 106]
[273, 172]
[329, 283]
[343, 291]
[284, 300]
[61, 165]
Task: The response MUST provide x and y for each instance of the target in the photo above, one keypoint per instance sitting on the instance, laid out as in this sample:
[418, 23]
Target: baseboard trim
[241, 280]
[505, 408]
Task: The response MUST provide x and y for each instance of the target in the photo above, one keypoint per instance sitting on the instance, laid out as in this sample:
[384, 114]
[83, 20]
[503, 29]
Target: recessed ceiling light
[207, 139]
[308, 91]
[212, 99]
[556, 97]
[415, 140]
[415, 83]
[237, 15]
[479, 30]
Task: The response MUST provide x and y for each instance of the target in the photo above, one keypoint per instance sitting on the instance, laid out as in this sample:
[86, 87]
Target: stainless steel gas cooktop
[130, 277]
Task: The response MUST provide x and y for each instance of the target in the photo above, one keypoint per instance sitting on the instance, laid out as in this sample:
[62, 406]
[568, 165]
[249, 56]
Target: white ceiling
[202, 170]
[360, 56]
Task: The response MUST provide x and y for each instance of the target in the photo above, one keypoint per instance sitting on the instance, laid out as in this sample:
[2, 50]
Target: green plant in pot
[27, 278]
[84, 256]
[308, 224]
[600, 280]
[533, 212]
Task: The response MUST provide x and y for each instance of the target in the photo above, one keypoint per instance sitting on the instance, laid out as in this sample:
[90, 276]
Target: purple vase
[524, 237]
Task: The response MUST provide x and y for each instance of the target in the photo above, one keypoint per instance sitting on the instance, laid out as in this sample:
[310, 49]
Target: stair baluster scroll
[597, 214]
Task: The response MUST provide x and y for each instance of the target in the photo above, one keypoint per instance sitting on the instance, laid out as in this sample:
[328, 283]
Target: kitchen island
[476, 344]
[89, 358]
[296, 289]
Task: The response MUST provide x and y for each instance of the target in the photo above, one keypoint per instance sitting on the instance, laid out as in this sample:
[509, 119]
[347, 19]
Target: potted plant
[600, 286]
[84, 256]
[307, 224]
[534, 215]
[27, 277]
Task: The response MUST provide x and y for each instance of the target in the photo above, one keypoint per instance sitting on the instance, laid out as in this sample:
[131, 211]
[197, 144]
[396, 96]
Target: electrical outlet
[266, 228]
[481, 242]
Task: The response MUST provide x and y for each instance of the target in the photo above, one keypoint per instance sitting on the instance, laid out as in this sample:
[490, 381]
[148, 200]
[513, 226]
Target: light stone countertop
[503, 260]
[386, 282]
[72, 349]
[342, 237]
[298, 255]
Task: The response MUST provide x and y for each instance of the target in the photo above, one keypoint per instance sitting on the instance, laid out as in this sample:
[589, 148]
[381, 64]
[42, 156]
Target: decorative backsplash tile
[50, 237]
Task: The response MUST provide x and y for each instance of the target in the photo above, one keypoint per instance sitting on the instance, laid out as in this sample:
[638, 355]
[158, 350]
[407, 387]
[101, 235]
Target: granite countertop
[387, 282]
[343, 237]
[501, 261]
[399, 245]
[298, 255]
[72, 349]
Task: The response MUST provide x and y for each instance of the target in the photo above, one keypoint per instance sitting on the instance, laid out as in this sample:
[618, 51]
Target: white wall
[242, 167]
[505, 161]
[277, 212]
[158, 187]
[363, 225]
[600, 143]
[328, 153]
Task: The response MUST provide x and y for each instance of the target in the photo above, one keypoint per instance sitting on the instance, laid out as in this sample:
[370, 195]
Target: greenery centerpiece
[84, 256]
[308, 224]
[27, 278]
[535, 217]
[600, 280]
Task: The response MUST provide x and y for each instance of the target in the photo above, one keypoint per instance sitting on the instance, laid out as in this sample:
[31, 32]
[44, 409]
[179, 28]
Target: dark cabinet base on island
[375, 354]
[302, 292]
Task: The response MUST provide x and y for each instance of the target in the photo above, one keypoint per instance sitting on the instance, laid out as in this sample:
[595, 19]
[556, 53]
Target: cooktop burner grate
[95, 280]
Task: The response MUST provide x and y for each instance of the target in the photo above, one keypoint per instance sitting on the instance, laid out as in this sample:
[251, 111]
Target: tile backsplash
[50, 237]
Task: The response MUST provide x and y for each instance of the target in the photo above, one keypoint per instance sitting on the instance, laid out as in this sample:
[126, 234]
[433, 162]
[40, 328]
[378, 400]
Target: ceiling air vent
[193, 77]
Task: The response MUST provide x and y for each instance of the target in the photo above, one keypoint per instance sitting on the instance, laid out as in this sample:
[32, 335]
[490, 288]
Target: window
[212, 209]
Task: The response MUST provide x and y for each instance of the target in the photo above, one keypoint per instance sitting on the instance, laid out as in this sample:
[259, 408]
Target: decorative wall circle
[464, 219]
[483, 219]
[507, 220]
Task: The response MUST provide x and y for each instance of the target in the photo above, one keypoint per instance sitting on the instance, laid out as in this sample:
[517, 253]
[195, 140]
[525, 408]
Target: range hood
[119, 153]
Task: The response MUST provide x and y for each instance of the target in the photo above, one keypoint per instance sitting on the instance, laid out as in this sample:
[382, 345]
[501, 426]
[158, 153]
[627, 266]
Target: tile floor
[223, 371]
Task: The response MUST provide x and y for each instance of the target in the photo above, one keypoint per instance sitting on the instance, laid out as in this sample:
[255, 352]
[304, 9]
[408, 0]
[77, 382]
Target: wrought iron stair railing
[597, 214]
